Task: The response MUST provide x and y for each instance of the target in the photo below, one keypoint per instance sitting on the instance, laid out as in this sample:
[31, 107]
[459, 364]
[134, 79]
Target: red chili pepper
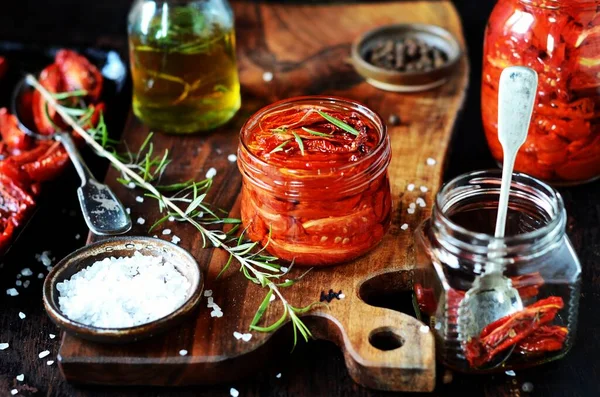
[510, 330]
[49, 166]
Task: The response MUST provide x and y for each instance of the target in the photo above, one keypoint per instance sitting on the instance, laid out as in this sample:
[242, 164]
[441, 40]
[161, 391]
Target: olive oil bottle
[183, 64]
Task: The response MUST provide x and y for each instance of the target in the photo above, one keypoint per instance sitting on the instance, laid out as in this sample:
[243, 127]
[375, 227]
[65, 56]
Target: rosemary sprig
[279, 147]
[257, 267]
[299, 141]
[338, 123]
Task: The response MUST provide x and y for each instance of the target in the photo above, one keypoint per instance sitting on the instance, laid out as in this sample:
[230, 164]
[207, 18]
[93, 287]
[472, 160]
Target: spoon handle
[516, 96]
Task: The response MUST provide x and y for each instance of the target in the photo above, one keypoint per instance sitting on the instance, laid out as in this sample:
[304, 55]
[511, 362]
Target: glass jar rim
[553, 228]
[373, 116]
[556, 4]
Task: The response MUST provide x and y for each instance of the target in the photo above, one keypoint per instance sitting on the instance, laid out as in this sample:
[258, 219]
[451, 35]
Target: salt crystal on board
[284, 269]
[139, 199]
[278, 375]
[341, 296]
[40, 275]
[246, 337]
[128, 210]
[26, 283]
[175, 240]
[19, 276]
[4, 346]
[232, 158]
[20, 377]
[26, 272]
[44, 257]
[412, 205]
[77, 236]
[410, 210]
[208, 292]
[421, 202]
[171, 218]
[44, 354]
[424, 329]
[50, 362]
[510, 373]
[22, 315]
[267, 76]
[237, 335]
[410, 187]
[431, 161]
[18, 283]
[272, 298]
[211, 173]
[424, 189]
[14, 391]
[166, 231]
[404, 226]
[141, 221]
[52, 336]
[131, 185]
[233, 392]
[12, 292]
[183, 352]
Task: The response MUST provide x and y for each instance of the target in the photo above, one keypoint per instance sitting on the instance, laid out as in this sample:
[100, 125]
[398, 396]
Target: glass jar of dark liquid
[538, 260]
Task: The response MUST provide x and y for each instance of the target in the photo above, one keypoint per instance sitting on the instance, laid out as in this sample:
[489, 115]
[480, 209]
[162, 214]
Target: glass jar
[537, 259]
[183, 64]
[315, 185]
[561, 41]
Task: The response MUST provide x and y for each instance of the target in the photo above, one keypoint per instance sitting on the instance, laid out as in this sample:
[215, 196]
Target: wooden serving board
[307, 50]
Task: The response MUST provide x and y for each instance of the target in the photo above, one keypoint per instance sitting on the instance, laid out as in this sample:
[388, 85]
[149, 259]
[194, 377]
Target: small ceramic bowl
[119, 247]
[412, 81]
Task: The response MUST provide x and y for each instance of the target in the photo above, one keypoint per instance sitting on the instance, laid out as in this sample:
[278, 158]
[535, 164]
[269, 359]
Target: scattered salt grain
[341, 296]
[410, 187]
[123, 292]
[22, 315]
[141, 221]
[278, 376]
[19, 276]
[216, 313]
[424, 329]
[404, 226]
[431, 161]
[510, 373]
[77, 236]
[267, 76]
[421, 203]
[52, 336]
[44, 257]
[232, 158]
[527, 387]
[208, 292]
[171, 219]
[12, 292]
[40, 275]
[175, 240]
[131, 185]
[20, 377]
[49, 362]
[44, 354]
[412, 205]
[424, 189]
[233, 392]
[26, 272]
[4, 346]
[211, 173]
[237, 335]
[284, 269]
[14, 391]
[272, 298]
[18, 283]
[166, 231]
[183, 352]
[246, 337]
[411, 210]
[139, 199]
[26, 283]
[128, 210]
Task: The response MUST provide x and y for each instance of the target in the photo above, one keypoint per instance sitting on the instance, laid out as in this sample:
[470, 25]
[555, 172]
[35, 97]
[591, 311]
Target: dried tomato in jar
[315, 183]
[561, 41]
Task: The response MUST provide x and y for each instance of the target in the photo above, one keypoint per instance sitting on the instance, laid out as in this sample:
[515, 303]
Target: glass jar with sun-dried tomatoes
[315, 183]
[457, 244]
[561, 41]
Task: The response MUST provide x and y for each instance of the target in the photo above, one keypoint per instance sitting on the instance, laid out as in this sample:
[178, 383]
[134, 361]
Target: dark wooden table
[314, 369]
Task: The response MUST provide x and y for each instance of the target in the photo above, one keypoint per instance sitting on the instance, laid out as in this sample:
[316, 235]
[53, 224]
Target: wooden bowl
[119, 247]
[412, 81]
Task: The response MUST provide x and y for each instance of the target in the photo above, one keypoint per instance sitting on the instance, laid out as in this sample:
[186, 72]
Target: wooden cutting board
[307, 50]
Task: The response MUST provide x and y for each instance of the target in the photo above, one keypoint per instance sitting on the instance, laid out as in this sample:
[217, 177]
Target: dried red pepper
[546, 338]
[511, 330]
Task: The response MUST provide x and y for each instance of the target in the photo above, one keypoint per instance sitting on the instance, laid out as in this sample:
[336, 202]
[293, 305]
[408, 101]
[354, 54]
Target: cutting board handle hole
[390, 290]
[386, 338]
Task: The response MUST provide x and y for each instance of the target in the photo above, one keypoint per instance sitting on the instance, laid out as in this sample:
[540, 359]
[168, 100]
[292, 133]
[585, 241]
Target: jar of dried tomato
[455, 245]
[561, 41]
[315, 183]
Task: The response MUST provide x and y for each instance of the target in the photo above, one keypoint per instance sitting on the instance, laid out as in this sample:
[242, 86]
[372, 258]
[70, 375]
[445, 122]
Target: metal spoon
[492, 295]
[102, 211]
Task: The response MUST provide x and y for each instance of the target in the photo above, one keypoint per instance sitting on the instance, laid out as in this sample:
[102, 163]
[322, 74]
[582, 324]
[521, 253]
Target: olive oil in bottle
[183, 64]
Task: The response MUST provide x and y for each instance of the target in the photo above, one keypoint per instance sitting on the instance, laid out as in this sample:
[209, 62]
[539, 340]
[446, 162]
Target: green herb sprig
[187, 204]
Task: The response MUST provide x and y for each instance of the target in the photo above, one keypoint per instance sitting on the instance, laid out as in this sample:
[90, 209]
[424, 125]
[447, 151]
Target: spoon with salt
[492, 295]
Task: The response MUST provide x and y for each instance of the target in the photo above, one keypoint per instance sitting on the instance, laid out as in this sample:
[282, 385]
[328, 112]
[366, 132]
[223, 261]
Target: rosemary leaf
[279, 148]
[262, 308]
[338, 123]
[273, 326]
[317, 133]
[59, 96]
[299, 141]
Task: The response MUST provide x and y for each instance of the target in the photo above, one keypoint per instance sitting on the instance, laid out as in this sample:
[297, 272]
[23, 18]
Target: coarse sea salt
[211, 173]
[12, 292]
[139, 199]
[431, 161]
[404, 226]
[232, 158]
[183, 352]
[52, 336]
[14, 391]
[4, 346]
[175, 240]
[166, 231]
[410, 187]
[22, 315]
[20, 377]
[267, 76]
[26, 272]
[141, 221]
[123, 292]
[44, 354]
[233, 392]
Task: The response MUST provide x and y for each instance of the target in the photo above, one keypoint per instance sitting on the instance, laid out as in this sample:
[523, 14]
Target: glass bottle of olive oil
[183, 65]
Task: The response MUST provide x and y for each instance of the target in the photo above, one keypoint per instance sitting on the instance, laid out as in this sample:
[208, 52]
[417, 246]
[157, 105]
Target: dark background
[314, 369]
